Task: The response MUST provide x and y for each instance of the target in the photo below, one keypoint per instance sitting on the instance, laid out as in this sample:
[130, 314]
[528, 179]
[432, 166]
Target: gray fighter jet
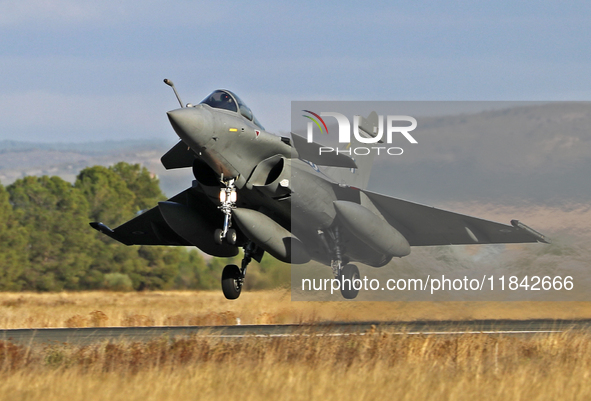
[266, 193]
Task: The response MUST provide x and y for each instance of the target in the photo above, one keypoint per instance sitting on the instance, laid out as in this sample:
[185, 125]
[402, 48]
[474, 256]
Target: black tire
[232, 236]
[217, 236]
[231, 285]
[350, 272]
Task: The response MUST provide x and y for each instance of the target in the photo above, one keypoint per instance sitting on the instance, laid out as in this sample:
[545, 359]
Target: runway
[90, 335]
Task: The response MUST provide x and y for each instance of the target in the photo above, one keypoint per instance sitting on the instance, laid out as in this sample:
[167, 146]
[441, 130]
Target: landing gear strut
[233, 276]
[228, 203]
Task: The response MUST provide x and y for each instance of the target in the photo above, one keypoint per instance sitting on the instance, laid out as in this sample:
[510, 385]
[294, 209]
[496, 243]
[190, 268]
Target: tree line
[46, 243]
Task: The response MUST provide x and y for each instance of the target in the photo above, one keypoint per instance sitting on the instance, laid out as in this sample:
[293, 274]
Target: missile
[371, 229]
[270, 236]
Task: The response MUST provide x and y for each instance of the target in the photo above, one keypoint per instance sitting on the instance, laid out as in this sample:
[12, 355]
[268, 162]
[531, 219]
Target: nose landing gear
[228, 203]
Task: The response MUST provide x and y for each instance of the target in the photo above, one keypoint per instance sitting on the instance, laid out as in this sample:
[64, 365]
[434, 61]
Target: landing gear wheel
[350, 272]
[231, 236]
[231, 281]
[218, 236]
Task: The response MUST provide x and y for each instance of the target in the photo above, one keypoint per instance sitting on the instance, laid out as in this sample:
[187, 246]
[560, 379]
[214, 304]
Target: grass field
[370, 367]
[87, 309]
[373, 366]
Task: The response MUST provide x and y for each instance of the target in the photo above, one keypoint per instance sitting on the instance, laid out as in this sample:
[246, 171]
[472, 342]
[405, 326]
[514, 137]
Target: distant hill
[19, 159]
[540, 154]
[91, 148]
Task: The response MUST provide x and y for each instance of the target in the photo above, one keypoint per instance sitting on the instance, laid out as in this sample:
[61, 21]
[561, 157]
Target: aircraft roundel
[256, 131]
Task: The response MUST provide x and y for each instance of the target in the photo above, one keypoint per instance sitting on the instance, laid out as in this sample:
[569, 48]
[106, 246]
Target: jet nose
[191, 124]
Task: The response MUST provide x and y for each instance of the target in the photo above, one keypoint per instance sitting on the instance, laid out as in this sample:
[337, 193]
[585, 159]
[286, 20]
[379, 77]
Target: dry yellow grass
[87, 309]
[375, 366]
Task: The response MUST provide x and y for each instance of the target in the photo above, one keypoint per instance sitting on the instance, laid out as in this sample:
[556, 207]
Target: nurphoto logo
[363, 133]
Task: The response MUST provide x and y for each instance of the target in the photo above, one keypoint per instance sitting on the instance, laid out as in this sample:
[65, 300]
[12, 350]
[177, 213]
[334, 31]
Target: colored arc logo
[316, 121]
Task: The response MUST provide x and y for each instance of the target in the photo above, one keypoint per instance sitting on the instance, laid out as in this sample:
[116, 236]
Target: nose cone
[191, 124]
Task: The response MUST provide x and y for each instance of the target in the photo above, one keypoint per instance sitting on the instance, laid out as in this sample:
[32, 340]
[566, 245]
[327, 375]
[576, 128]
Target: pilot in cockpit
[221, 100]
[226, 98]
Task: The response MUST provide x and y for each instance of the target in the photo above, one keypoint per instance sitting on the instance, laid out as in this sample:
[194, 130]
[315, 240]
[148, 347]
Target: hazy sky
[77, 70]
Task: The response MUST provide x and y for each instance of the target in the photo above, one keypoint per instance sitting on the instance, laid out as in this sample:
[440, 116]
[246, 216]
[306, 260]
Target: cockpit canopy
[224, 99]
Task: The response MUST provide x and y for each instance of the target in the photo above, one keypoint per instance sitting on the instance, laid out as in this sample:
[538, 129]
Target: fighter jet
[266, 193]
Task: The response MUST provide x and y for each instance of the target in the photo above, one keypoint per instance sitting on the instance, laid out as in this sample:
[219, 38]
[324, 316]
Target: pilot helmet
[226, 98]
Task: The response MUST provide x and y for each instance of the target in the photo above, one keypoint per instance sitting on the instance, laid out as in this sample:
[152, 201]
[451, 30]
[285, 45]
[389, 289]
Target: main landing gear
[347, 275]
[233, 276]
[350, 275]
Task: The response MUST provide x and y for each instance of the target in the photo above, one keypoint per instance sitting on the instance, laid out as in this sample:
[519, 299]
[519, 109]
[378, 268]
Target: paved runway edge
[89, 335]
